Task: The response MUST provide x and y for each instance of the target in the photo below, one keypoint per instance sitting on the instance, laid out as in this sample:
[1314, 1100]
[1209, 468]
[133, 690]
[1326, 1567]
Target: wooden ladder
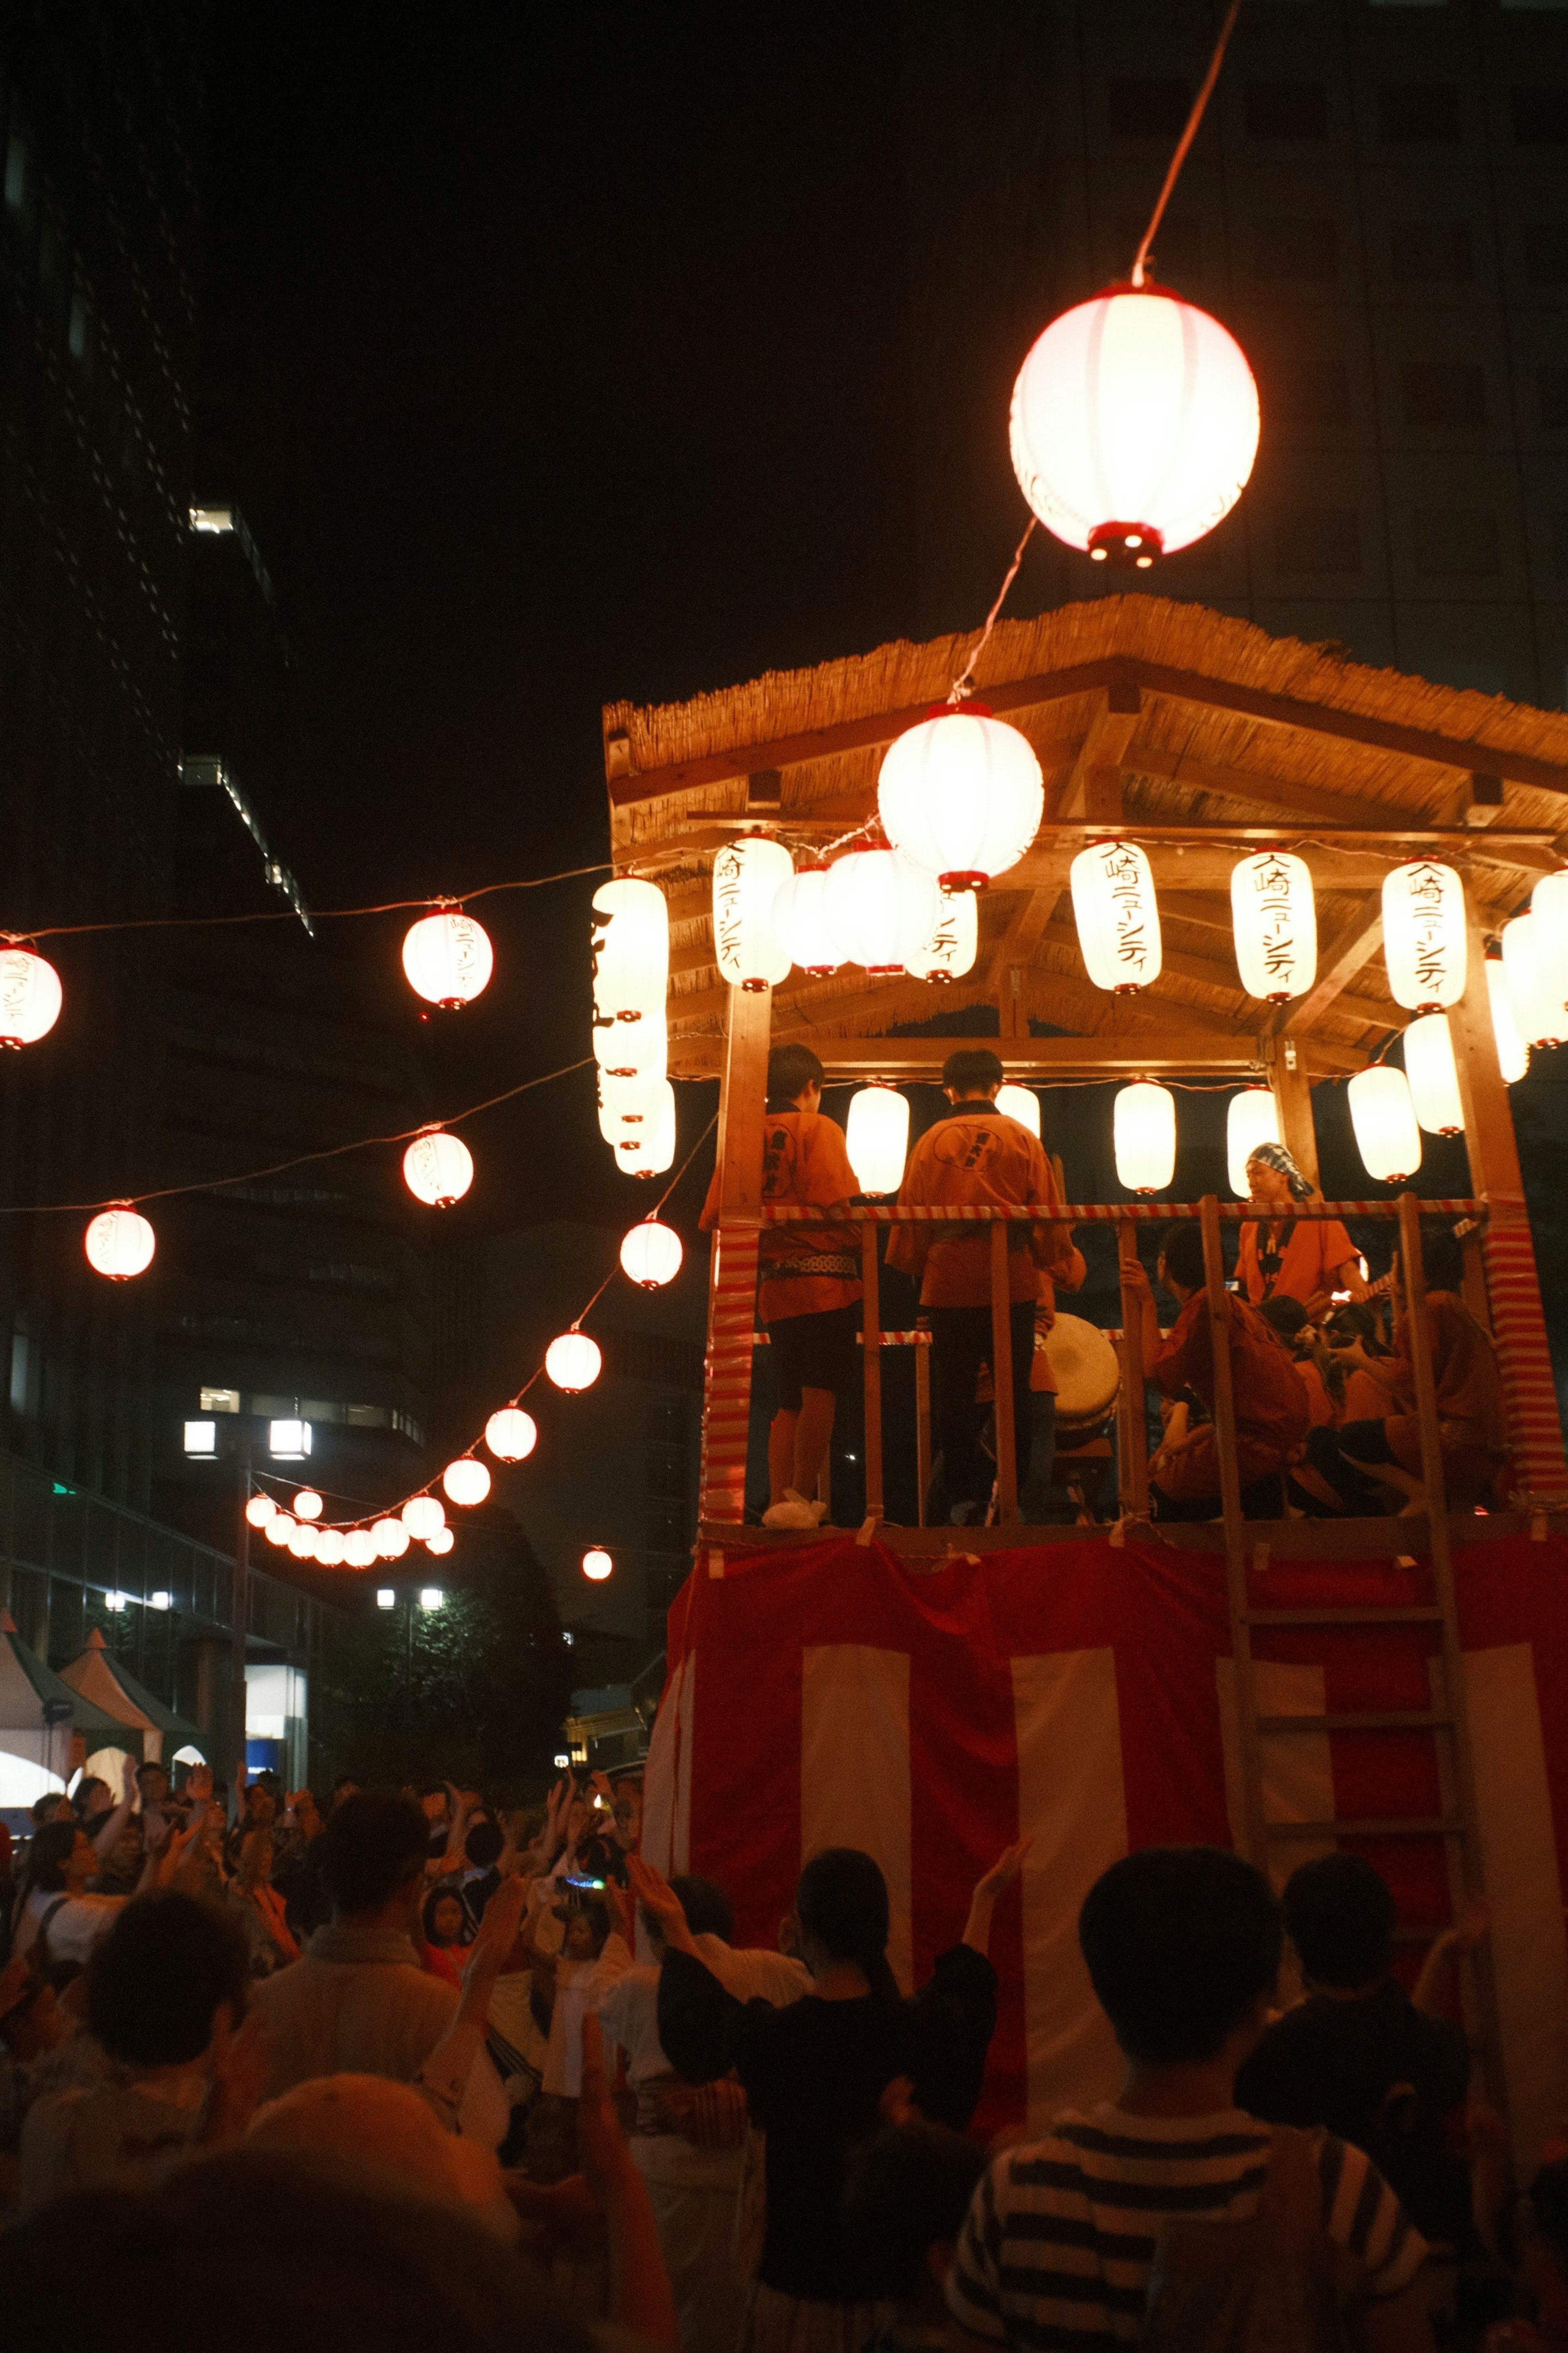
[1458, 1824]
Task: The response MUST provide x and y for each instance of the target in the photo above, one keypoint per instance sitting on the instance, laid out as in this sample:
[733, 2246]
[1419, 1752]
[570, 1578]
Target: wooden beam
[1219, 975]
[1337, 965]
[1292, 1091]
[1040, 1061]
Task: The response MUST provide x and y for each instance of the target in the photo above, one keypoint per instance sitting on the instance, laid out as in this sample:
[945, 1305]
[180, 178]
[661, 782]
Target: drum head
[1087, 1368]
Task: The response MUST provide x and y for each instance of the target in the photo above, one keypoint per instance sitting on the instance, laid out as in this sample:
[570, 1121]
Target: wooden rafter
[1338, 963]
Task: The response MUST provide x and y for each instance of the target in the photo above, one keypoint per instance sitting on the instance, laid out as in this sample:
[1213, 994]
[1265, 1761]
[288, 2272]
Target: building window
[1458, 541]
[1424, 250]
[1443, 393]
[1540, 112]
[1148, 109]
[1306, 252]
[1416, 114]
[1544, 252]
[1317, 539]
[1551, 389]
[220, 1400]
[1286, 110]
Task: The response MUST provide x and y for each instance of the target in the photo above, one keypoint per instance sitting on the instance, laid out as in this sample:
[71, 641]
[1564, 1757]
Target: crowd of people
[1325, 1402]
[504, 2082]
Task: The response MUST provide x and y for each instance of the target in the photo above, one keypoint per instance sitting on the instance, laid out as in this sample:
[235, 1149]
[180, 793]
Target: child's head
[585, 1919]
[1183, 1946]
[483, 1845]
[793, 1071]
[905, 2198]
[1339, 1915]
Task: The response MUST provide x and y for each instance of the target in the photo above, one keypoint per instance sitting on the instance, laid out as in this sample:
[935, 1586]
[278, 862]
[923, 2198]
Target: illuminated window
[212, 518]
[220, 1400]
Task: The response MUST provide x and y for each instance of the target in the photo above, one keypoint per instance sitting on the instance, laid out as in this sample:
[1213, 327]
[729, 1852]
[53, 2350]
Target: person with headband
[1285, 1257]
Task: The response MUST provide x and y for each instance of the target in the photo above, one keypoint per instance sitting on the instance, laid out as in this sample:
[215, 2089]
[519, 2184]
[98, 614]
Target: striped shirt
[1058, 2242]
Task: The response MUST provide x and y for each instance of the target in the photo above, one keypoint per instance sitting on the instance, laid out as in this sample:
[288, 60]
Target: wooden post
[1135, 1423]
[1234, 1532]
[1002, 1375]
[1292, 1092]
[922, 1428]
[1524, 1360]
[871, 1349]
[733, 1277]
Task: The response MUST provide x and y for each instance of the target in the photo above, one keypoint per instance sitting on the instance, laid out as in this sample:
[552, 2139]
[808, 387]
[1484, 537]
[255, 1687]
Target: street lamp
[431, 1598]
[201, 1439]
[385, 1599]
[289, 1440]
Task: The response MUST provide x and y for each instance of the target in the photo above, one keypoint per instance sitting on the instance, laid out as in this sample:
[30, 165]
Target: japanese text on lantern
[1432, 912]
[1276, 905]
[1124, 873]
[728, 896]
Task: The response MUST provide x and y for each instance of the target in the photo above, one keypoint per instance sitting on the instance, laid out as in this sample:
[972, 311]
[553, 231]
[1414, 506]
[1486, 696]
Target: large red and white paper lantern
[466, 1482]
[438, 1168]
[1538, 1014]
[447, 958]
[1118, 916]
[120, 1242]
[1143, 1134]
[1512, 1053]
[881, 909]
[1433, 1076]
[1388, 1133]
[802, 922]
[573, 1361]
[1134, 425]
[1274, 919]
[511, 1435]
[30, 996]
[748, 876]
[876, 1137]
[1423, 934]
[960, 794]
[651, 1254]
[1251, 1118]
[952, 948]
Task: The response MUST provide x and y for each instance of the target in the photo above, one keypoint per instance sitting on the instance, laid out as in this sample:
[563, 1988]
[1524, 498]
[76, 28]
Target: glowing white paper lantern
[359, 1548]
[30, 996]
[1134, 425]
[302, 1540]
[1143, 1132]
[651, 1254]
[1118, 917]
[597, 1564]
[573, 1361]
[1021, 1103]
[1252, 1118]
[440, 1543]
[119, 1243]
[1540, 1020]
[801, 920]
[391, 1539]
[466, 1482]
[1274, 918]
[633, 1050]
[960, 794]
[877, 1136]
[259, 1510]
[950, 950]
[422, 1516]
[1513, 1053]
[748, 876]
[280, 1528]
[331, 1547]
[1433, 1080]
[646, 1146]
[630, 950]
[1423, 934]
[447, 958]
[1387, 1133]
[511, 1435]
[627, 1104]
[1548, 908]
[881, 909]
[307, 1505]
[438, 1168]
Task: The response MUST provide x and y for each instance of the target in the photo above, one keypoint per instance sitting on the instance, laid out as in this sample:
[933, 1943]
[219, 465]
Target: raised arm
[105, 1836]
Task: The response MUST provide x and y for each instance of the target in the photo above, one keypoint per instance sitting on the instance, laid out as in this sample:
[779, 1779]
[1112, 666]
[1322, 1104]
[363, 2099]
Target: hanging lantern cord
[1186, 141]
[963, 686]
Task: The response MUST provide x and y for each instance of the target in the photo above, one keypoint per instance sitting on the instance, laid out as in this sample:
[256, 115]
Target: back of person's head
[972, 1071]
[46, 1809]
[1288, 1316]
[1182, 1944]
[791, 1070]
[709, 1911]
[372, 1847]
[91, 1797]
[1339, 1915]
[905, 2197]
[1182, 1248]
[292, 2249]
[1354, 1319]
[158, 1976]
[483, 1844]
[1442, 1261]
[841, 1903]
[51, 1850]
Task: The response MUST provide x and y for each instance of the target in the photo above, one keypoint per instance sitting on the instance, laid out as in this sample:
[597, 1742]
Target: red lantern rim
[964, 879]
[971, 709]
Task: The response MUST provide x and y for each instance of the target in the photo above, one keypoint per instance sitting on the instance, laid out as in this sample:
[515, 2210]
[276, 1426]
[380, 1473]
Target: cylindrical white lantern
[1387, 1133]
[801, 923]
[1134, 425]
[1021, 1103]
[881, 909]
[390, 1538]
[1274, 918]
[511, 1435]
[630, 949]
[1117, 915]
[1539, 1018]
[597, 1564]
[466, 1480]
[634, 1050]
[1433, 1080]
[259, 1510]
[651, 1254]
[1423, 934]
[1513, 1053]
[331, 1547]
[1143, 1132]
[1548, 908]
[280, 1528]
[747, 878]
[646, 1147]
[1252, 1118]
[423, 1515]
[307, 1505]
[119, 1243]
[573, 1361]
[30, 996]
[359, 1548]
[876, 1135]
[447, 958]
[626, 1105]
[950, 950]
[960, 794]
[440, 1543]
[438, 1168]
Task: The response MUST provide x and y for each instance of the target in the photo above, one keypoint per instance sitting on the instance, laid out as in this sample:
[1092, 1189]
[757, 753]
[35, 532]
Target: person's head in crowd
[1442, 1260]
[166, 1981]
[905, 2197]
[483, 1844]
[151, 1784]
[1273, 1178]
[709, 1911]
[1183, 1947]
[972, 1074]
[292, 2249]
[373, 1860]
[367, 2119]
[261, 1799]
[1354, 1324]
[347, 1785]
[445, 1920]
[840, 1914]
[56, 1807]
[63, 1859]
[433, 1803]
[1181, 1263]
[585, 1919]
[307, 1814]
[794, 1079]
[1339, 1915]
[1288, 1317]
[91, 1797]
[1537, 2232]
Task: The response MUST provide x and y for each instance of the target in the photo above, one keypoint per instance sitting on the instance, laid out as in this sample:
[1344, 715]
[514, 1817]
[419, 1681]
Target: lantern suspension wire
[1186, 141]
[963, 686]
